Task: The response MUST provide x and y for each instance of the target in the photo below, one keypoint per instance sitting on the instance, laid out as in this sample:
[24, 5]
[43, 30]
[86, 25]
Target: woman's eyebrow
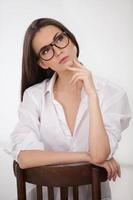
[51, 42]
[53, 39]
[55, 36]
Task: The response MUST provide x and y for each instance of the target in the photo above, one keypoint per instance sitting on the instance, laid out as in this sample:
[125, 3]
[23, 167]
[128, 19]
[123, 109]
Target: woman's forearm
[98, 138]
[34, 158]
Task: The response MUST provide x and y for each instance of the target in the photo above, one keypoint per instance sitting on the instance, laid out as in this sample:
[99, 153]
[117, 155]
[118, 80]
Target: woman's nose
[57, 50]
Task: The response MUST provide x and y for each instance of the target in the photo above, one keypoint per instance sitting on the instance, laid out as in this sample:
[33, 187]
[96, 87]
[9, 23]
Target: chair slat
[64, 193]
[39, 192]
[75, 193]
[50, 193]
[96, 190]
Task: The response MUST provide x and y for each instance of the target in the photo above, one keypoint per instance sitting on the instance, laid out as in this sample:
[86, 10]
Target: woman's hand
[82, 74]
[112, 167]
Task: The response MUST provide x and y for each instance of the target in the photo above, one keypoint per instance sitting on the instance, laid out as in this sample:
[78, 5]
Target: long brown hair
[32, 73]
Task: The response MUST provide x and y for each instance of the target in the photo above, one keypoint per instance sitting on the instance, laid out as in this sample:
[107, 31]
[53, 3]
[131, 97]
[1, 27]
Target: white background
[104, 30]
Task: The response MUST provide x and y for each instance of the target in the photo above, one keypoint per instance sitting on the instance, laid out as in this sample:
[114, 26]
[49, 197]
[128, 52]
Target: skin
[72, 76]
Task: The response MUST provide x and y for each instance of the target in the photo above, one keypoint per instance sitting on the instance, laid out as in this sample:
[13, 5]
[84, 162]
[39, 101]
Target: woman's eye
[59, 38]
[45, 51]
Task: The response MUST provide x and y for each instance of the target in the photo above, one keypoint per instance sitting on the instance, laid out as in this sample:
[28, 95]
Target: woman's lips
[63, 60]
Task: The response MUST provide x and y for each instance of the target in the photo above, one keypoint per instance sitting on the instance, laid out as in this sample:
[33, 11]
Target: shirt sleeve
[116, 114]
[26, 135]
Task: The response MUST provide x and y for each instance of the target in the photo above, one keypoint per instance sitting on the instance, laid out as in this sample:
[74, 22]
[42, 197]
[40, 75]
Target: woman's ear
[41, 64]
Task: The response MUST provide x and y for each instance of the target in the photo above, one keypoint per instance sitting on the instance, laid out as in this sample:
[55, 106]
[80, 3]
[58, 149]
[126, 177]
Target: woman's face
[43, 38]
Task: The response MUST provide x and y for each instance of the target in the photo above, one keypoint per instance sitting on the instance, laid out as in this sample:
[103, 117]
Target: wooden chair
[60, 176]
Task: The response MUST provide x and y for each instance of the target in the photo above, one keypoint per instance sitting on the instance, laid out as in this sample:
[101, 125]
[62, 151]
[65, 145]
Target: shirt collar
[50, 84]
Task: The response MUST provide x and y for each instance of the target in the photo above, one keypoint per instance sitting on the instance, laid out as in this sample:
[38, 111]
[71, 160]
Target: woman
[67, 115]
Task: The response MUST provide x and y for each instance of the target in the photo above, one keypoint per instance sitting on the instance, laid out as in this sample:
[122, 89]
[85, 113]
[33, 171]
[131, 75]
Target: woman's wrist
[92, 95]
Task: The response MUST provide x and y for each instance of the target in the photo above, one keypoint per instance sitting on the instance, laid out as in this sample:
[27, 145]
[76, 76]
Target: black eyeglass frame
[53, 44]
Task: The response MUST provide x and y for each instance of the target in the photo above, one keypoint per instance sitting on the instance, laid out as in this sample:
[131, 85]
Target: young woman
[66, 115]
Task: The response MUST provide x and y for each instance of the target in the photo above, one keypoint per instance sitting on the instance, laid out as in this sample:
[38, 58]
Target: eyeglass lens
[61, 41]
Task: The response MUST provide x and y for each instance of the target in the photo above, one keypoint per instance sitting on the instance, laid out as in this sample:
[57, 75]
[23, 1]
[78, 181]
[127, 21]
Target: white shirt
[42, 124]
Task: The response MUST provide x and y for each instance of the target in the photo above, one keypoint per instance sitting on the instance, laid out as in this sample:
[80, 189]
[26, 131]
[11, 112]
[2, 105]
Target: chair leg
[21, 188]
[96, 185]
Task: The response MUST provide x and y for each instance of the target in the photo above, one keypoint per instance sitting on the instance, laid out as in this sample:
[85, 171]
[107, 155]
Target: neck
[62, 82]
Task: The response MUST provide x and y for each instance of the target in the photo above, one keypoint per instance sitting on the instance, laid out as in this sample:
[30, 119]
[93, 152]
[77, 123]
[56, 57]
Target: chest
[70, 104]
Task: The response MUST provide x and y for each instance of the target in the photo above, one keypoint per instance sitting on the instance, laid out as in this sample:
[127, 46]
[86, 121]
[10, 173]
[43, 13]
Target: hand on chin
[68, 63]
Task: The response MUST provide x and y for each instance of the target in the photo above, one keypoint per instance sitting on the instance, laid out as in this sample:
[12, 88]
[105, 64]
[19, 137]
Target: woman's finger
[77, 69]
[75, 76]
[117, 166]
[115, 169]
[114, 176]
[107, 167]
[74, 69]
[112, 170]
[77, 63]
[78, 78]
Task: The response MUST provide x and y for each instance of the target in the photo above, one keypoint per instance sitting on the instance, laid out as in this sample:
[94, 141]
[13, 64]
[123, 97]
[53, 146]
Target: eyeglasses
[47, 52]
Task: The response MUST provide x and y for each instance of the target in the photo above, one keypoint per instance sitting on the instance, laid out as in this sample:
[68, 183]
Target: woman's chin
[68, 63]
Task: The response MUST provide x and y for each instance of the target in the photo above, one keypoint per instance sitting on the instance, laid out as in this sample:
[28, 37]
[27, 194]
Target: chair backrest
[62, 176]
